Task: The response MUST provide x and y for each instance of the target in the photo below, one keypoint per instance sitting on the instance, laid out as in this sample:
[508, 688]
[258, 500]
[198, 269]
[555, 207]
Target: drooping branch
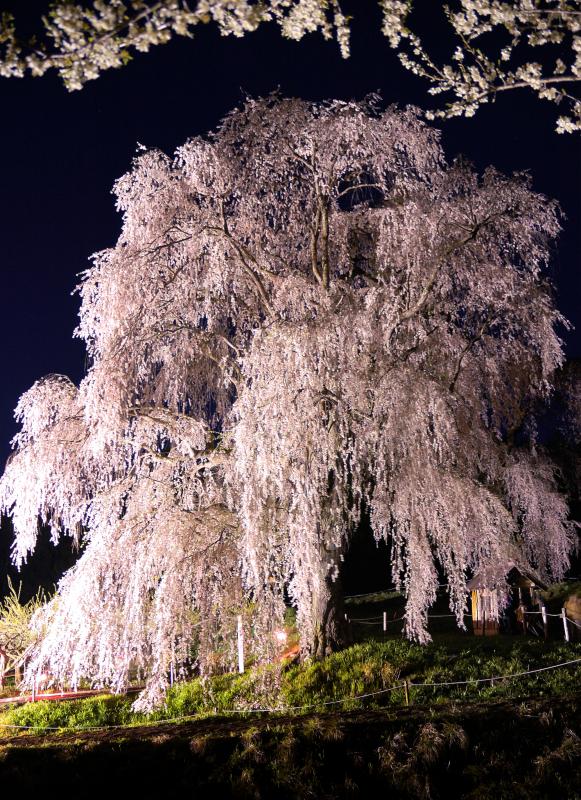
[439, 263]
[194, 498]
[467, 348]
[246, 259]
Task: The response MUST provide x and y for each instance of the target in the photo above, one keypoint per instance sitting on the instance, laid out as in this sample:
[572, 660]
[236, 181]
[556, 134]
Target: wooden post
[524, 620]
[34, 690]
[171, 674]
[545, 621]
[565, 625]
[406, 691]
[385, 621]
[240, 644]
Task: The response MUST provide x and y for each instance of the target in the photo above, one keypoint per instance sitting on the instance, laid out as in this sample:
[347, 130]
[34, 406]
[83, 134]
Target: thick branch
[245, 255]
[465, 350]
[440, 261]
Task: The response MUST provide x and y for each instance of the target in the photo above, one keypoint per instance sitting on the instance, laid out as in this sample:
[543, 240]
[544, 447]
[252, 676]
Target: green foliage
[221, 694]
[366, 668]
[16, 634]
[357, 670]
[559, 592]
[90, 712]
[373, 597]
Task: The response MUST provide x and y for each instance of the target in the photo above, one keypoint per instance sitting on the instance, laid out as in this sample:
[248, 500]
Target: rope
[282, 710]
[501, 677]
[370, 594]
[367, 620]
[390, 590]
[225, 712]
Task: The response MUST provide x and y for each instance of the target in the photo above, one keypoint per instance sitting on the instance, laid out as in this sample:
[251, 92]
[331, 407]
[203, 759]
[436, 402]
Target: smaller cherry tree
[17, 634]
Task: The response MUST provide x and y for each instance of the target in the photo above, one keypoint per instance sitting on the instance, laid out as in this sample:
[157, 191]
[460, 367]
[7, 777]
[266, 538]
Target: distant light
[280, 636]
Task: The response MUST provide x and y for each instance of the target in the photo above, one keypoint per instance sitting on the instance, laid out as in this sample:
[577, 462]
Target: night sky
[61, 153]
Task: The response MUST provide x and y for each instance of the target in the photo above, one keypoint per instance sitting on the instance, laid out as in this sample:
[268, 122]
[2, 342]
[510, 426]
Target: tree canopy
[498, 43]
[308, 316]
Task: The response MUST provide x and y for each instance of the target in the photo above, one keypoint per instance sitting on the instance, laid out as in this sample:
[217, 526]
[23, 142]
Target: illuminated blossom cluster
[308, 316]
[477, 71]
[83, 41]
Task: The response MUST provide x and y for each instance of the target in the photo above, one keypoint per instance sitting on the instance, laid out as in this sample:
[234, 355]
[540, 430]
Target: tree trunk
[331, 630]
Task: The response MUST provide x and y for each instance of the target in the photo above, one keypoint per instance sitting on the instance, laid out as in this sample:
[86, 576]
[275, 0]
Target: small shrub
[90, 712]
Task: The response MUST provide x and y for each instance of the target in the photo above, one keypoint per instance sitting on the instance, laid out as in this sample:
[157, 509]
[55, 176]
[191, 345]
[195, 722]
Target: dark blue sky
[61, 153]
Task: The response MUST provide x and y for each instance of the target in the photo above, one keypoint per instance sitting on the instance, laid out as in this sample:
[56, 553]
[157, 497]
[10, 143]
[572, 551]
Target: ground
[419, 752]
[518, 737]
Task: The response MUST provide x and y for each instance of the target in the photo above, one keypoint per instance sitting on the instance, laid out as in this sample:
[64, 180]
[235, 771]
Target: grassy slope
[372, 666]
[418, 752]
[513, 738]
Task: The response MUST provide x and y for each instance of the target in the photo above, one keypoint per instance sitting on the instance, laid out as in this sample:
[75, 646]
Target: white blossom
[308, 315]
[83, 42]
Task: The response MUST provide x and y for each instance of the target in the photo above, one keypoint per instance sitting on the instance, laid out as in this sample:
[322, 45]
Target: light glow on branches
[308, 314]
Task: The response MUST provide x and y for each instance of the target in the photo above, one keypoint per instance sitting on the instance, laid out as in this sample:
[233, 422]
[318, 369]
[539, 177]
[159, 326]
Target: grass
[364, 668]
[485, 751]
[516, 739]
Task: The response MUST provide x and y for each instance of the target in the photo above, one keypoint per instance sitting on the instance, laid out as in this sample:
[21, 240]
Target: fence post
[406, 690]
[34, 689]
[171, 674]
[545, 621]
[385, 621]
[240, 644]
[524, 621]
[565, 625]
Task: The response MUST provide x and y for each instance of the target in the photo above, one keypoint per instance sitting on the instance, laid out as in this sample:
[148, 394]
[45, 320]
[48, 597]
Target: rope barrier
[283, 710]
[367, 620]
[224, 712]
[384, 591]
[501, 677]
[548, 615]
[370, 594]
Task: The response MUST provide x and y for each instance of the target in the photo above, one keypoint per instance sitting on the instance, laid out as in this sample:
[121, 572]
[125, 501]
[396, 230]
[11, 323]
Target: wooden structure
[488, 589]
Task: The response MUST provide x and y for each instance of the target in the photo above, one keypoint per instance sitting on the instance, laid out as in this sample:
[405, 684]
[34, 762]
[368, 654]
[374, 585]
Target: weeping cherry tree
[309, 316]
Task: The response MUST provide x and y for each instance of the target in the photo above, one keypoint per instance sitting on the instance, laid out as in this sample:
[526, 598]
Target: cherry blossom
[308, 316]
